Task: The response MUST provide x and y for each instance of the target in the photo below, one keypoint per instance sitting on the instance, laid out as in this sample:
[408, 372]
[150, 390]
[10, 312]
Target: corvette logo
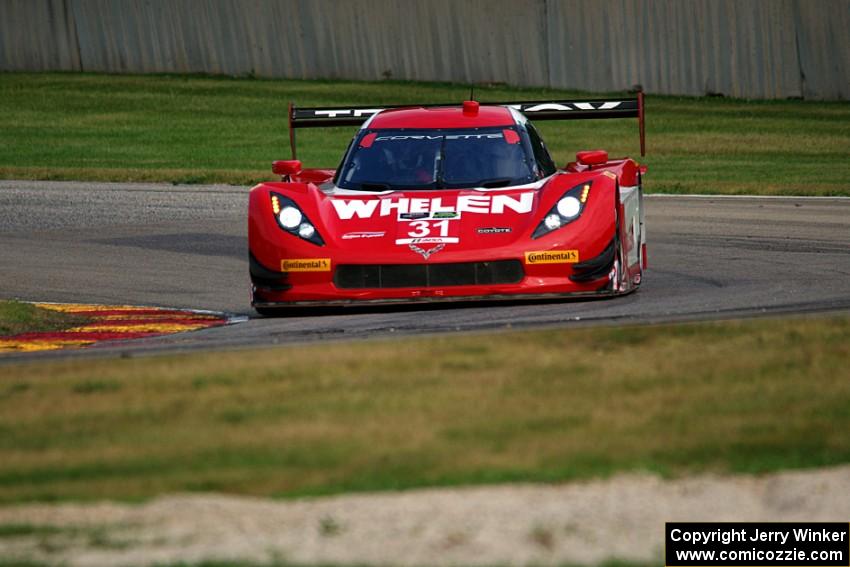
[552, 257]
[427, 253]
[491, 136]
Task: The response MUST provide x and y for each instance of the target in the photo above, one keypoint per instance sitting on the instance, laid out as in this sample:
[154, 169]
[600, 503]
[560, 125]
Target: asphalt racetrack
[186, 246]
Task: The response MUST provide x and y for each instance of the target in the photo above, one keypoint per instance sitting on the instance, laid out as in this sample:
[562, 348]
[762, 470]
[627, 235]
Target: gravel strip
[578, 523]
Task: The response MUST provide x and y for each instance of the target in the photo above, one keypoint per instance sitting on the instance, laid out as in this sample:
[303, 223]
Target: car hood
[466, 217]
[361, 224]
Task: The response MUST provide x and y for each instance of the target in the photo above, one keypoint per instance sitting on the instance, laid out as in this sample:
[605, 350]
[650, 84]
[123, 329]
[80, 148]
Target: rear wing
[584, 109]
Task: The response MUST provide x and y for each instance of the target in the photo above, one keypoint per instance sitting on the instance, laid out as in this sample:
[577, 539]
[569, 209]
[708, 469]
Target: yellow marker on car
[552, 257]
[306, 265]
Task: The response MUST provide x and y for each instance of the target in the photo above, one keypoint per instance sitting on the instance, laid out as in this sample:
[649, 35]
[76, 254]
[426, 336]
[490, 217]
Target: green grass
[549, 406]
[4, 563]
[272, 564]
[17, 317]
[191, 129]
[21, 530]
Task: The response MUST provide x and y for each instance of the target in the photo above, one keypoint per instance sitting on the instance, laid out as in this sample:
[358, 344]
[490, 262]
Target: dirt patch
[579, 523]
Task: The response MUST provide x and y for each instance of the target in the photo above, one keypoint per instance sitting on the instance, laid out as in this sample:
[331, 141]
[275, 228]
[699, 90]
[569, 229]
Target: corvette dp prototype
[448, 202]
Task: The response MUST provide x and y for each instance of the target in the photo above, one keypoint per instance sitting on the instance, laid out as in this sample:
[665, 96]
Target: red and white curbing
[111, 323]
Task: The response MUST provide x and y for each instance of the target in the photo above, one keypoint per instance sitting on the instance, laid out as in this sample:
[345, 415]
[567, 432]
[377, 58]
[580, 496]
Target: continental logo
[552, 257]
[306, 265]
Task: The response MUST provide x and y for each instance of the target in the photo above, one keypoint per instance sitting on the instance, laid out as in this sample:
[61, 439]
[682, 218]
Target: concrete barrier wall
[37, 35]
[742, 48]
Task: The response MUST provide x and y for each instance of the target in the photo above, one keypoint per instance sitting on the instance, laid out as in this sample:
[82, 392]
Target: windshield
[436, 159]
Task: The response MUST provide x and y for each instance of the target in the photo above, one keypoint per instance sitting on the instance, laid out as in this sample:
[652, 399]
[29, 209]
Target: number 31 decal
[428, 231]
[422, 228]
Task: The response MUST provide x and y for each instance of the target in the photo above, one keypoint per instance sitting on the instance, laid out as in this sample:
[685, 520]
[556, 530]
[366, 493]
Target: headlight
[569, 207]
[566, 210]
[291, 219]
[306, 231]
[552, 222]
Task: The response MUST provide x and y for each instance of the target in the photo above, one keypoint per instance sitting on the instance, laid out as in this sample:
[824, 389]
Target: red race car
[448, 202]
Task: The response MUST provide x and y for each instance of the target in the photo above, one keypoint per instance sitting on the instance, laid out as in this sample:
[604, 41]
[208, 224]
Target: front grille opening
[428, 275]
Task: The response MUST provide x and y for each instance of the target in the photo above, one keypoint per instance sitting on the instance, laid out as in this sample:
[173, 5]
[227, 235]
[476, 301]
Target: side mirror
[592, 157]
[286, 167]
